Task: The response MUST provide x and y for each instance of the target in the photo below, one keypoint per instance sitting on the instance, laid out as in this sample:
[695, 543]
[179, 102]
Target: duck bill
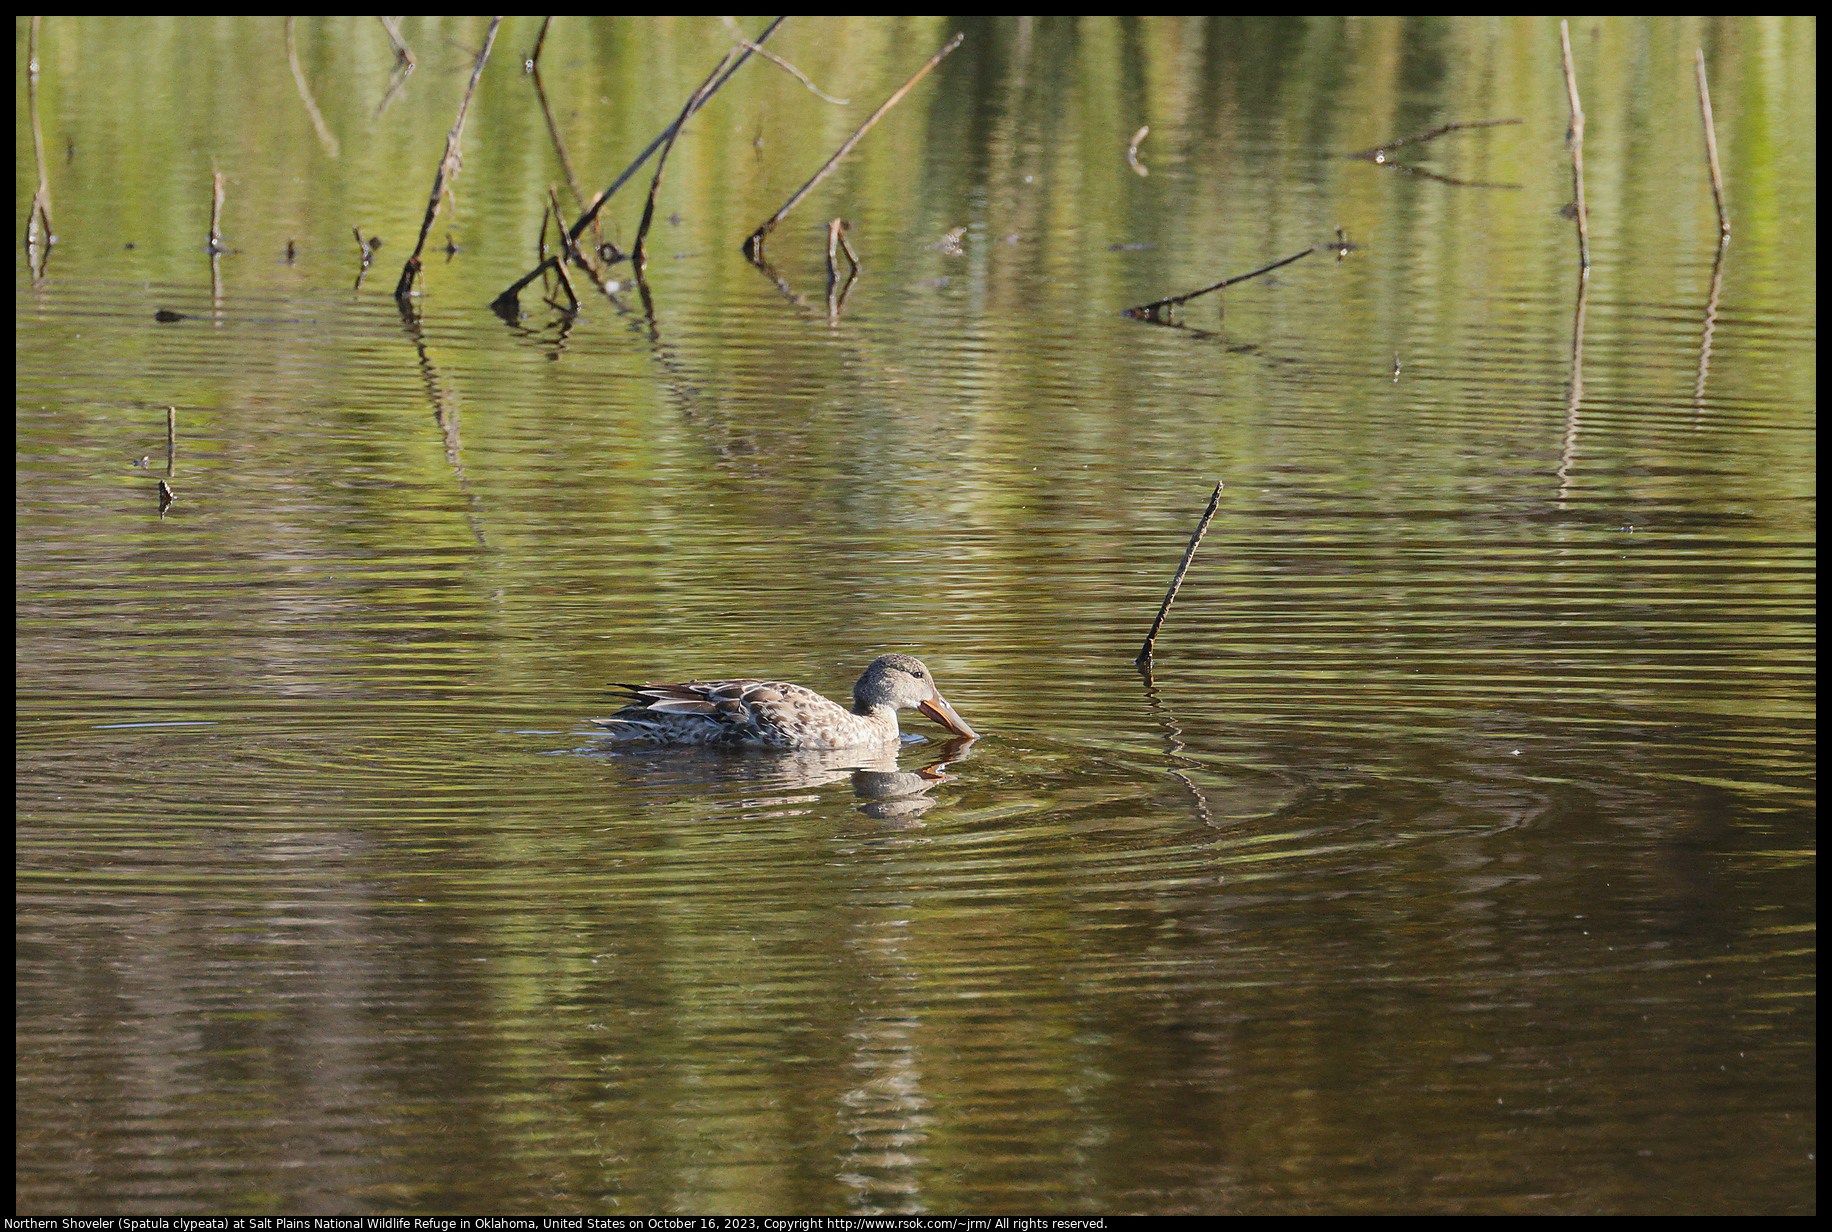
[943, 713]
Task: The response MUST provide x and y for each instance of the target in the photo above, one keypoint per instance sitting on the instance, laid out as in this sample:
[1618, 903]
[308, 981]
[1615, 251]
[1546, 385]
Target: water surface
[1455, 856]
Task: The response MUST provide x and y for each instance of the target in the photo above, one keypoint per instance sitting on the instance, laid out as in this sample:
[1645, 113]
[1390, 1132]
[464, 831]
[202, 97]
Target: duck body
[772, 714]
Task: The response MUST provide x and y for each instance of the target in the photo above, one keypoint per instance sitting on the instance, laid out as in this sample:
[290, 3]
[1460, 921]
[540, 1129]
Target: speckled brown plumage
[771, 714]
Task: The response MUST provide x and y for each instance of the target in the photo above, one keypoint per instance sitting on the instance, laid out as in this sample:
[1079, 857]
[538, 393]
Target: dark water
[1456, 856]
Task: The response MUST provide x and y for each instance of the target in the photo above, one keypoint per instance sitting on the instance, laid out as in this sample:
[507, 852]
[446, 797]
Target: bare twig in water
[533, 60]
[448, 166]
[732, 28]
[505, 305]
[753, 246]
[1576, 137]
[39, 235]
[214, 245]
[1379, 153]
[837, 291]
[836, 236]
[532, 69]
[639, 257]
[1189, 554]
[216, 210]
[1711, 154]
[1149, 311]
[1132, 151]
[568, 251]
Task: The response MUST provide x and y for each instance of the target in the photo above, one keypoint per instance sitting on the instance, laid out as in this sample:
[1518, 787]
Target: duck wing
[718, 711]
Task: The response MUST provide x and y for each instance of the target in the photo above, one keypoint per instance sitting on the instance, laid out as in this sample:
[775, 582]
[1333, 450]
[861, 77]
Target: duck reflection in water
[785, 782]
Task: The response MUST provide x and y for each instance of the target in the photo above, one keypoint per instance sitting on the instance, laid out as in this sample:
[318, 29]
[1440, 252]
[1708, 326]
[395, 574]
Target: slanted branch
[1189, 554]
[753, 246]
[1378, 154]
[1711, 154]
[1157, 309]
[448, 167]
[507, 304]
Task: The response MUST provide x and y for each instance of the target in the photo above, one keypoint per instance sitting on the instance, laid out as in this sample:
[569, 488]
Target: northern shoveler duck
[769, 714]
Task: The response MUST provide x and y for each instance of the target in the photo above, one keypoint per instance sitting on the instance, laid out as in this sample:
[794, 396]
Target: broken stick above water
[1148, 312]
[448, 167]
[753, 246]
[507, 304]
[1189, 554]
[1575, 138]
[1711, 155]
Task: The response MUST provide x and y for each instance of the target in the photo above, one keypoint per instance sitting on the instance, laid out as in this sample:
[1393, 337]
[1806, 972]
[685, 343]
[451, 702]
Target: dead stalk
[753, 246]
[448, 167]
[1711, 154]
[1189, 554]
[1576, 136]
